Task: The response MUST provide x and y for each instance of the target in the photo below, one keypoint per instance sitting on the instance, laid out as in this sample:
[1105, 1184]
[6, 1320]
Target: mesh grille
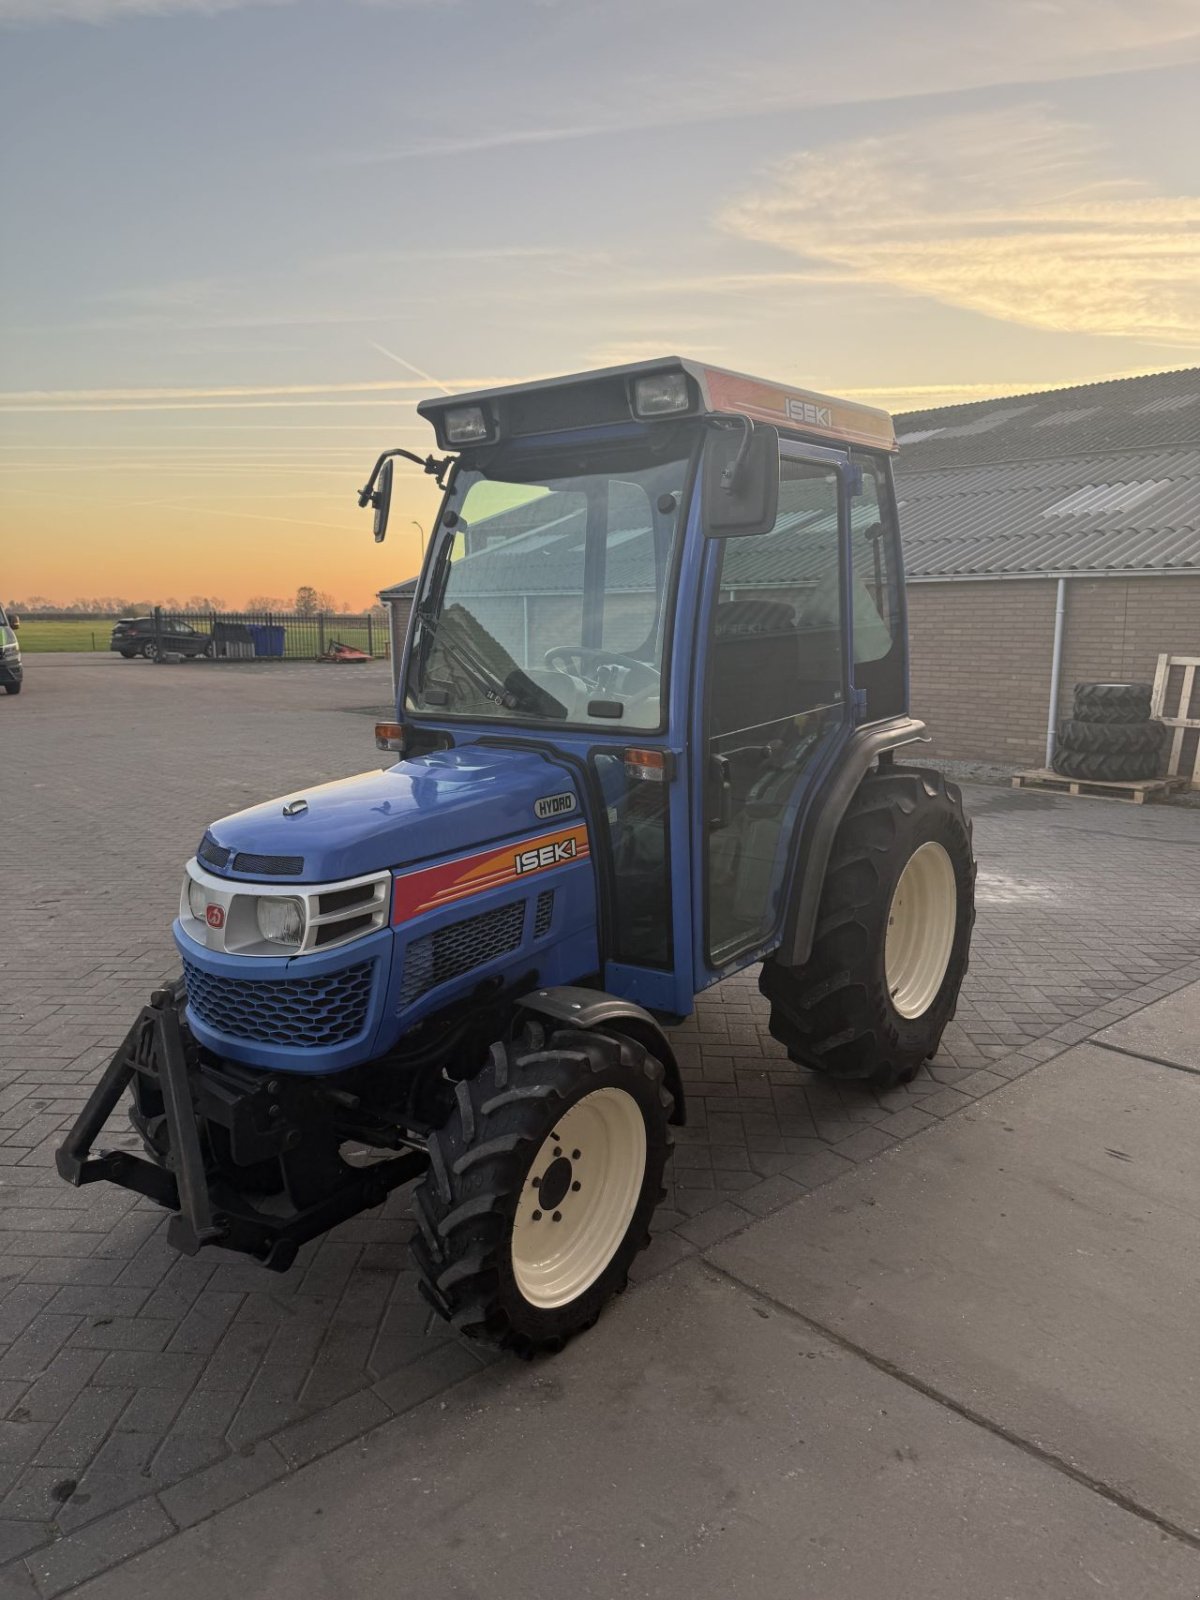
[211, 853]
[300, 1011]
[544, 913]
[451, 951]
[268, 866]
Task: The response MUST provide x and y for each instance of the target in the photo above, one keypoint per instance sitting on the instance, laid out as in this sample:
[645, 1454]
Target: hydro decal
[553, 805]
[431, 888]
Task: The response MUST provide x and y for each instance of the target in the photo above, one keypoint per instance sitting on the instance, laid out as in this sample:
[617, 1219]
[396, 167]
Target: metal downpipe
[1060, 614]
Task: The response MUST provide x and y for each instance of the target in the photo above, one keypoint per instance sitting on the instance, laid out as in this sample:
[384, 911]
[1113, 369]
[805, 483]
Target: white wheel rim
[920, 932]
[597, 1150]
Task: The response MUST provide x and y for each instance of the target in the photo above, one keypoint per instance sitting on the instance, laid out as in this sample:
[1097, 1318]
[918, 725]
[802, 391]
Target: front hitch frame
[206, 1208]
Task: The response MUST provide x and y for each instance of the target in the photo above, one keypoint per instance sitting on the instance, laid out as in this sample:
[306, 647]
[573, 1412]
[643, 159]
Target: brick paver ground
[140, 1391]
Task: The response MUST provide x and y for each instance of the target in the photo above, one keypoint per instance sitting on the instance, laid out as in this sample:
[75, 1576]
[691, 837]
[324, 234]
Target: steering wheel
[641, 675]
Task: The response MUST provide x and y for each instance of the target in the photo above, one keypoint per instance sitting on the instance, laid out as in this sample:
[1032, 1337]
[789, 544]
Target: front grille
[451, 951]
[295, 1011]
[543, 913]
[212, 853]
[268, 866]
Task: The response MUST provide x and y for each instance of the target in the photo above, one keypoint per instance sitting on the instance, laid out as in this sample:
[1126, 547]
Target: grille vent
[268, 866]
[543, 914]
[293, 1011]
[211, 853]
[451, 951]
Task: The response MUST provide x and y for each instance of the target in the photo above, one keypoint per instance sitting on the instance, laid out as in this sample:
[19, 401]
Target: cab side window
[880, 661]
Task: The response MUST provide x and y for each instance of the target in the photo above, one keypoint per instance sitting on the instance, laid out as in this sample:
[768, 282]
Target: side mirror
[741, 481]
[14, 622]
[381, 500]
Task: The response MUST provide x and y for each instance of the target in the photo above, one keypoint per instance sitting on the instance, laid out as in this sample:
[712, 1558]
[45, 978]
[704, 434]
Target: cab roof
[591, 399]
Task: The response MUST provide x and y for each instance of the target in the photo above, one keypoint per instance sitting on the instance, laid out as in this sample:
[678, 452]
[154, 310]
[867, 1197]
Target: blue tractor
[646, 737]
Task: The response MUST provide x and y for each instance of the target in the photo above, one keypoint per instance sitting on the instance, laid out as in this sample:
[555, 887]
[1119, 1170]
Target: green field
[86, 635]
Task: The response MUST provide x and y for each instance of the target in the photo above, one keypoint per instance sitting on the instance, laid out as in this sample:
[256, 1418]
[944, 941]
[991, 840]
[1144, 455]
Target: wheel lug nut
[536, 1183]
[574, 1155]
[537, 1216]
[557, 1153]
[558, 1216]
[575, 1187]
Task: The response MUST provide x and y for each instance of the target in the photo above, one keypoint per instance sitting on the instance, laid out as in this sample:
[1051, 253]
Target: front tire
[13, 688]
[541, 1187]
[893, 935]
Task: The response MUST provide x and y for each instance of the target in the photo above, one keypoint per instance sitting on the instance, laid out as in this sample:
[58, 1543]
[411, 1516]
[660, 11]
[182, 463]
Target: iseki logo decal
[432, 888]
[215, 916]
[548, 855]
[805, 411]
[554, 805]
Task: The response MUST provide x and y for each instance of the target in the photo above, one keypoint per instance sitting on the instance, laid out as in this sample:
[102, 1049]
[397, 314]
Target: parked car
[138, 636]
[12, 674]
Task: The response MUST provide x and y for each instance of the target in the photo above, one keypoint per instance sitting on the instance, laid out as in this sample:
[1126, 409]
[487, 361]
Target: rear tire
[893, 935]
[149, 650]
[548, 1112]
[13, 688]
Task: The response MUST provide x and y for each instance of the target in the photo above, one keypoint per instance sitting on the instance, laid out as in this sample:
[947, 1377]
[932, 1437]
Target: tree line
[307, 601]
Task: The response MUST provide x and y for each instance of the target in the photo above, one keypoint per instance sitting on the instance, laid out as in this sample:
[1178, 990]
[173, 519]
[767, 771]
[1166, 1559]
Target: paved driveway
[139, 1391]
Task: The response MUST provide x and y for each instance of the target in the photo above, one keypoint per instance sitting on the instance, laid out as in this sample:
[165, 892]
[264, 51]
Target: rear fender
[607, 1013]
[821, 825]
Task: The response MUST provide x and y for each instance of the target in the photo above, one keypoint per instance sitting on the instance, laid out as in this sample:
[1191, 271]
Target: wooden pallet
[1134, 793]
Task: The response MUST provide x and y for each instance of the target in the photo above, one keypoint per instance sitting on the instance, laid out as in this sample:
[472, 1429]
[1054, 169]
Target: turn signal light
[390, 736]
[652, 765]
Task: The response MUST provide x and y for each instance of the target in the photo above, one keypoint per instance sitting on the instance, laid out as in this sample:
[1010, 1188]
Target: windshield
[547, 600]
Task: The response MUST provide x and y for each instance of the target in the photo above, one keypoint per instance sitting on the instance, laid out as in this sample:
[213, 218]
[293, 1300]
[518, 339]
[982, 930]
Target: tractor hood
[423, 807]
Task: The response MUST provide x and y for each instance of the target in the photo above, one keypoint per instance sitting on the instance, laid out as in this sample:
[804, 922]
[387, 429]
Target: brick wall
[980, 666]
[981, 653]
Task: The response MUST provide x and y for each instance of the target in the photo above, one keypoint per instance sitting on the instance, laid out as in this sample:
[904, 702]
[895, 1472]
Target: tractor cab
[687, 584]
[645, 737]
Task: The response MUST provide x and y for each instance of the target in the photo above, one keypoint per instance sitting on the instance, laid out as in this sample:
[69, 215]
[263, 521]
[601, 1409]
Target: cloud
[595, 71]
[27, 12]
[1002, 213]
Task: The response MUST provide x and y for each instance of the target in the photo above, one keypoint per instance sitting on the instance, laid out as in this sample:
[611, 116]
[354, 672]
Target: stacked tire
[1110, 737]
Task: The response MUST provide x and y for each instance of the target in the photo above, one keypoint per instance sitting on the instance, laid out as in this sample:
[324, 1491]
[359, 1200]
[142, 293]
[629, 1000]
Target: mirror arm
[437, 470]
[721, 419]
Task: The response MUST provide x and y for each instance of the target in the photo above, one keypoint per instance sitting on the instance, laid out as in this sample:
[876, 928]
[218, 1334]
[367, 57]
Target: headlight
[197, 899]
[280, 921]
[10, 650]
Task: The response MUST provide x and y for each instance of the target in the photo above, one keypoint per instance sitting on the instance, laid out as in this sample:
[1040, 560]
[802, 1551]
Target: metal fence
[270, 635]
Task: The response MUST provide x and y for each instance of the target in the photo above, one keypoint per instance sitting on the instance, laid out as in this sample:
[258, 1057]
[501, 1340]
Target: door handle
[720, 776]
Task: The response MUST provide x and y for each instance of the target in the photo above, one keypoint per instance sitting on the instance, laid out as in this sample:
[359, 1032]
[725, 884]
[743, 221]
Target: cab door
[777, 701]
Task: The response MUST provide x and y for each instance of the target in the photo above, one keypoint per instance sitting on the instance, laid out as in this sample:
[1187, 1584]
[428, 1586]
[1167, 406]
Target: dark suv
[137, 636]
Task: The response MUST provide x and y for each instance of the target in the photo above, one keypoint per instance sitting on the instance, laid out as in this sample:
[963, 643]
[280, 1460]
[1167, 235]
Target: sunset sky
[243, 237]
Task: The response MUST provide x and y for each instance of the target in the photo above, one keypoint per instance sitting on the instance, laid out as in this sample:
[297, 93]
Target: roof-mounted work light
[661, 394]
[467, 425]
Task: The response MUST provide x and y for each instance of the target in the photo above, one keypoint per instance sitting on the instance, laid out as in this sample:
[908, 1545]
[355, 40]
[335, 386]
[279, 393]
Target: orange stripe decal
[431, 888]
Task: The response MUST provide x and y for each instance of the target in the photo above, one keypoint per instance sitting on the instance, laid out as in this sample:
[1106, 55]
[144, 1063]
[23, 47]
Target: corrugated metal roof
[1104, 478]
[1127, 414]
